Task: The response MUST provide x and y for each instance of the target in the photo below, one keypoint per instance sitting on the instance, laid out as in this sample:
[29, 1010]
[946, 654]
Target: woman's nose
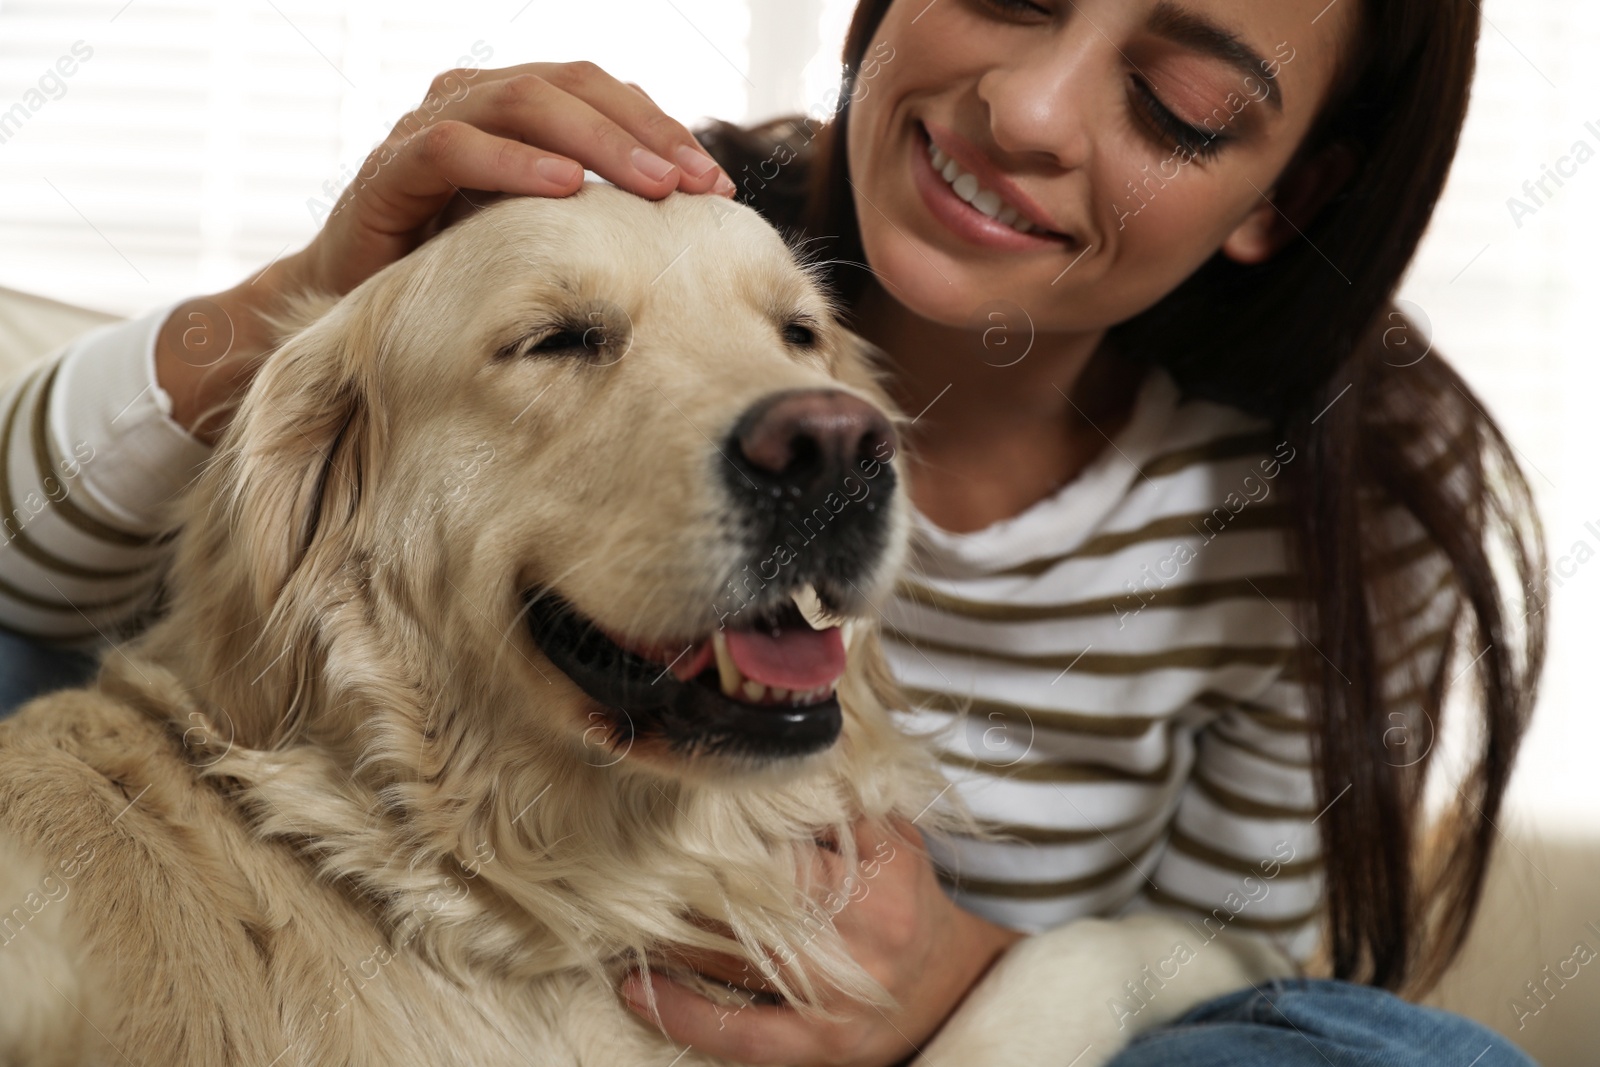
[1042, 99]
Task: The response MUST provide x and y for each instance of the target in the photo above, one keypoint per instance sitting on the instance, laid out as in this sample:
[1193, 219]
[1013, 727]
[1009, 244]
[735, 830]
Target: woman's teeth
[967, 188]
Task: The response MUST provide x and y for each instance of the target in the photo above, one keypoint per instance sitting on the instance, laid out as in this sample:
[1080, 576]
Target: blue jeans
[29, 668]
[1319, 1022]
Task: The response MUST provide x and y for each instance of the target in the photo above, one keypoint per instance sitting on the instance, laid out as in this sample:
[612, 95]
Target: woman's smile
[978, 208]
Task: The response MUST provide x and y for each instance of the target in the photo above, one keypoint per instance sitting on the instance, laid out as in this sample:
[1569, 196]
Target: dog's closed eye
[590, 339]
[593, 340]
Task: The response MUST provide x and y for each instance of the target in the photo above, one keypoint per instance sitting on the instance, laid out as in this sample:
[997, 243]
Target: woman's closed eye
[1015, 7]
[1170, 130]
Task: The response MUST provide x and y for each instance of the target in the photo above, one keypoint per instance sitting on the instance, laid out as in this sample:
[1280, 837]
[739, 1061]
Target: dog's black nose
[803, 443]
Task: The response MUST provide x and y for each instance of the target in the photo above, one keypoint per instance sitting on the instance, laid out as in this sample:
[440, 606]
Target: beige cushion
[1538, 907]
[34, 326]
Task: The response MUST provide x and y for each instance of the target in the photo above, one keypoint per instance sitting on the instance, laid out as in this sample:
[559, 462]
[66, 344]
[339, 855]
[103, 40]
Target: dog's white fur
[335, 807]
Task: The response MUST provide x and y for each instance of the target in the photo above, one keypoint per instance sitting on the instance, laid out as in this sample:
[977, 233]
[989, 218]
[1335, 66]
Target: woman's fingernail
[650, 164]
[560, 171]
[693, 161]
[724, 186]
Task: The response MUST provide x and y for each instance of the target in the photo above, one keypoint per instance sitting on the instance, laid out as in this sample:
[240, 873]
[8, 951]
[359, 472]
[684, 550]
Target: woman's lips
[961, 218]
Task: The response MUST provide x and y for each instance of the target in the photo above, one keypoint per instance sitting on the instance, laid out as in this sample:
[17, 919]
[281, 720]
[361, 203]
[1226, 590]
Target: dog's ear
[298, 450]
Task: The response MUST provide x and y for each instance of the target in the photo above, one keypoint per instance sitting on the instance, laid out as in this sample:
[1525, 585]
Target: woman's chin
[934, 285]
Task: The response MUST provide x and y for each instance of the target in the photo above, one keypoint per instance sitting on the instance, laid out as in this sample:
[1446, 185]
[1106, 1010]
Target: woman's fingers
[631, 108]
[753, 1034]
[722, 968]
[579, 111]
[451, 155]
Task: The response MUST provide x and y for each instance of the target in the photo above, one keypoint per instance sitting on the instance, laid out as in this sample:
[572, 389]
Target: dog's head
[607, 469]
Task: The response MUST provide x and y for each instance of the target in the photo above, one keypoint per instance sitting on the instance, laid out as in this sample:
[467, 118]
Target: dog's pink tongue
[795, 657]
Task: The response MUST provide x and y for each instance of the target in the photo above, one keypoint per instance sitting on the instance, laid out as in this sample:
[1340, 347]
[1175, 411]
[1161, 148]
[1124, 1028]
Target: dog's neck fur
[481, 849]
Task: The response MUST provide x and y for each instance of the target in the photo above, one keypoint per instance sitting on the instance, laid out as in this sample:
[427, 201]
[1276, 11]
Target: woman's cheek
[1178, 223]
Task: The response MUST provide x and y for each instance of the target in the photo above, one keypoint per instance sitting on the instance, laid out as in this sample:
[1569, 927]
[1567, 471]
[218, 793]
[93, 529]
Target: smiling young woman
[1226, 194]
[1196, 543]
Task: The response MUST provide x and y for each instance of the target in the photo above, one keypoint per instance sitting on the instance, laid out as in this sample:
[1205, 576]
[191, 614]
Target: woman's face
[1142, 134]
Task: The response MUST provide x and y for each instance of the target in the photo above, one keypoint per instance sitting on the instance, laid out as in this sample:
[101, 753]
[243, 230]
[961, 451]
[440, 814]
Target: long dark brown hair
[1314, 348]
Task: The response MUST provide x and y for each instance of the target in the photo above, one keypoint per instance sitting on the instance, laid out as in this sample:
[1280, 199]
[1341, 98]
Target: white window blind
[181, 155]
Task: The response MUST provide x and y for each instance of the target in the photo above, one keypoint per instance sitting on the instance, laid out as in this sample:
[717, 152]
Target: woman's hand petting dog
[900, 926]
[528, 130]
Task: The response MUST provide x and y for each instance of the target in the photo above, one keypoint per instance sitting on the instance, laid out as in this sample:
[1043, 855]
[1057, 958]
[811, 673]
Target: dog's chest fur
[204, 943]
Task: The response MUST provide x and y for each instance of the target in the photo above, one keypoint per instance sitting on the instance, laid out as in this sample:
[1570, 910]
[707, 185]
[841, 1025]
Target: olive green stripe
[1048, 835]
[23, 543]
[1429, 642]
[23, 597]
[988, 887]
[1218, 449]
[1076, 722]
[1254, 517]
[1193, 657]
[1088, 723]
[21, 540]
[1215, 857]
[1290, 922]
[1275, 586]
[69, 511]
[1268, 718]
[1243, 805]
[1219, 732]
[1425, 600]
[1061, 771]
[1403, 556]
[8, 590]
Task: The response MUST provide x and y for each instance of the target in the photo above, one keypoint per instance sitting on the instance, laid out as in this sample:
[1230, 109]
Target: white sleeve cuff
[108, 412]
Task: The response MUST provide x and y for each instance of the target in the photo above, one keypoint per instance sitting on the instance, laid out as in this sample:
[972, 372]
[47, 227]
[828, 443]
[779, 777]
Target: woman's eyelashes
[1013, 7]
[1170, 130]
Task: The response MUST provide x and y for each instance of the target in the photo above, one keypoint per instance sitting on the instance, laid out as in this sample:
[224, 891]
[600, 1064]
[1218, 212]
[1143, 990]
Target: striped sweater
[1111, 681]
[1109, 677]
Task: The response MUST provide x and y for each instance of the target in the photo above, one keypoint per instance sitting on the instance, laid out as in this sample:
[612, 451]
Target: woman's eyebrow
[1194, 31]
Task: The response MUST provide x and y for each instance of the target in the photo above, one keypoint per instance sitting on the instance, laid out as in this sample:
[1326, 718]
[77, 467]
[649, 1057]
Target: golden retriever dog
[517, 637]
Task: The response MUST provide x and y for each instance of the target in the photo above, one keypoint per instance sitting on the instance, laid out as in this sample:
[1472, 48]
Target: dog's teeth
[847, 630]
[727, 670]
[778, 694]
[753, 690]
[811, 696]
[810, 605]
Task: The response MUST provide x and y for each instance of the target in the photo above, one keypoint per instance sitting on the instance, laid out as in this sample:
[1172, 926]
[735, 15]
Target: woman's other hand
[902, 929]
[530, 130]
